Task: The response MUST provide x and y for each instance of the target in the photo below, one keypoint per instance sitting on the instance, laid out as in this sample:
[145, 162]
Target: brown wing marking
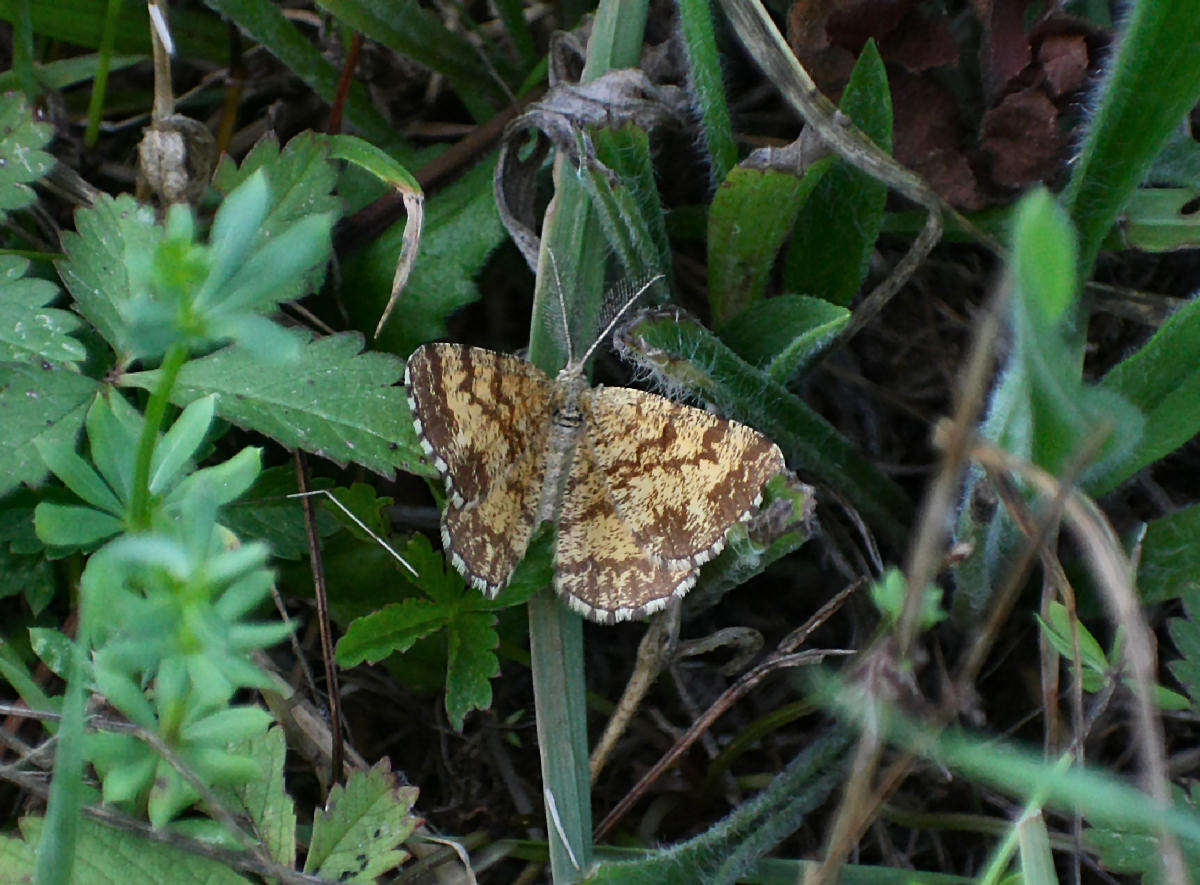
[477, 412]
[679, 477]
[601, 571]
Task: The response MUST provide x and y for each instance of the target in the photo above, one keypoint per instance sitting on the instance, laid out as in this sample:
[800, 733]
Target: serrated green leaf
[362, 500]
[1132, 851]
[471, 665]
[264, 800]
[95, 269]
[45, 403]
[836, 229]
[338, 402]
[782, 334]
[22, 159]
[1170, 562]
[462, 228]
[29, 330]
[300, 179]
[394, 628]
[355, 836]
[1185, 634]
[106, 855]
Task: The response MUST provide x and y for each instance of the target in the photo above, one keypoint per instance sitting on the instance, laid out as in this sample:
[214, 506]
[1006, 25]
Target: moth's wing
[483, 418]
[600, 569]
[476, 412]
[487, 536]
[679, 477]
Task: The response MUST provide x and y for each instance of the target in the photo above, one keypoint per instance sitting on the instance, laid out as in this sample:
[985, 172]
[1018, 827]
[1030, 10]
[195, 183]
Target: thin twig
[781, 658]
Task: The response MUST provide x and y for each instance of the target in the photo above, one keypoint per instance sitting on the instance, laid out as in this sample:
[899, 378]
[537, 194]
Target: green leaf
[227, 725]
[300, 181]
[1163, 381]
[197, 34]
[1170, 562]
[30, 575]
[704, 66]
[95, 271]
[354, 837]
[263, 21]
[1185, 633]
[28, 329]
[394, 628]
[471, 665]
[222, 482]
[58, 75]
[53, 648]
[1044, 258]
[337, 402]
[1178, 163]
[471, 70]
[1161, 220]
[1042, 410]
[239, 218]
[750, 216]
[108, 856]
[790, 524]
[1132, 851]
[22, 159]
[781, 335]
[1058, 632]
[1138, 109]
[45, 404]
[180, 443]
[462, 228]
[264, 801]
[624, 195]
[113, 428]
[78, 475]
[836, 230]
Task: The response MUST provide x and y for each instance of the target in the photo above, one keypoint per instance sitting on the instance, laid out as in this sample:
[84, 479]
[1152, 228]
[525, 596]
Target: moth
[641, 489]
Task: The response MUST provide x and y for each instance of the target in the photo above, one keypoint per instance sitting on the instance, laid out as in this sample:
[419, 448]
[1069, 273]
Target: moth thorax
[567, 402]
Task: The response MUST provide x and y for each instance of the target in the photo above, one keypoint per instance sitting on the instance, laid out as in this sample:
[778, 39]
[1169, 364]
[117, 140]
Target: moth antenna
[620, 313]
[562, 308]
